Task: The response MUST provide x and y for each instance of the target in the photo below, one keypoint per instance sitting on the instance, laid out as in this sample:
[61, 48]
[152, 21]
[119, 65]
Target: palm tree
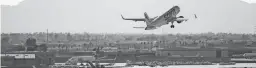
[5, 43]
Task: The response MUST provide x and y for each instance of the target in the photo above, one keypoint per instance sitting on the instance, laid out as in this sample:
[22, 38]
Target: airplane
[158, 21]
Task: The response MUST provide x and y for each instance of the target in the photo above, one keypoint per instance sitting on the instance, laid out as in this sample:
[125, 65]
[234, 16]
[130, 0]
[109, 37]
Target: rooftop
[204, 49]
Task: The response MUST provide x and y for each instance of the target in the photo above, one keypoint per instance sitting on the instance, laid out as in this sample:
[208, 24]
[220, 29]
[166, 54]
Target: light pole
[47, 36]
[254, 33]
[254, 30]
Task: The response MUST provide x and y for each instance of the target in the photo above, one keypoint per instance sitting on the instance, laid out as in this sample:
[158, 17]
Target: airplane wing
[134, 19]
[153, 18]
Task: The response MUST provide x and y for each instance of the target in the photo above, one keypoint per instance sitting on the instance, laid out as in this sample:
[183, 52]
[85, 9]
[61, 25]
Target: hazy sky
[103, 16]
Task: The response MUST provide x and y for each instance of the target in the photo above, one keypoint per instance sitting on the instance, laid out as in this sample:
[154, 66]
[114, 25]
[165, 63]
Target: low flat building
[183, 52]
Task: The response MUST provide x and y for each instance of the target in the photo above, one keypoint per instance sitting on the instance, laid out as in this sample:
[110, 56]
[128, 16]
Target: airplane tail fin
[147, 18]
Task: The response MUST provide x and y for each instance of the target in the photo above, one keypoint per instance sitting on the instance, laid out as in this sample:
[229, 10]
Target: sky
[104, 16]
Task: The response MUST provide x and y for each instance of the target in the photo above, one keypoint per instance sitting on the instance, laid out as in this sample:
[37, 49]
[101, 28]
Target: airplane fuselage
[164, 19]
[169, 16]
[157, 23]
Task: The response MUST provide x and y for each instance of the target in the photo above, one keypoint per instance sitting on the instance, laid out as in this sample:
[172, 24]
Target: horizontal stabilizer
[133, 19]
[139, 27]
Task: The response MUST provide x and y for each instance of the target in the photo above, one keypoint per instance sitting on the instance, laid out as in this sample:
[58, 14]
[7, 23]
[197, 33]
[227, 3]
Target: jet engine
[181, 17]
[179, 22]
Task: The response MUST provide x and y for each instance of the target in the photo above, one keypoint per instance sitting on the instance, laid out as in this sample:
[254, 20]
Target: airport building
[203, 52]
[23, 59]
[182, 52]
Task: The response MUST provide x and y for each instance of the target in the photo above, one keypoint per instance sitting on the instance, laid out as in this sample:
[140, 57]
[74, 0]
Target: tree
[94, 49]
[31, 44]
[56, 36]
[42, 47]
[18, 48]
[69, 37]
[5, 41]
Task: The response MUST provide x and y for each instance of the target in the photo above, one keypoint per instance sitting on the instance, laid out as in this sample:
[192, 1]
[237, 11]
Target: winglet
[122, 16]
[195, 16]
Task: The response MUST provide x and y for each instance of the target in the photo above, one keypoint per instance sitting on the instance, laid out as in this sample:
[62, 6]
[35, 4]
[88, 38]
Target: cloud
[249, 1]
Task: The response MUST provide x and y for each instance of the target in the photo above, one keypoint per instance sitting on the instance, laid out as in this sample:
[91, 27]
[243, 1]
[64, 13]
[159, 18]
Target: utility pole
[96, 56]
[254, 30]
[254, 34]
[47, 36]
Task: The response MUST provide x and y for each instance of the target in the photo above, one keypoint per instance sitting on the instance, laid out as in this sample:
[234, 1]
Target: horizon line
[121, 33]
